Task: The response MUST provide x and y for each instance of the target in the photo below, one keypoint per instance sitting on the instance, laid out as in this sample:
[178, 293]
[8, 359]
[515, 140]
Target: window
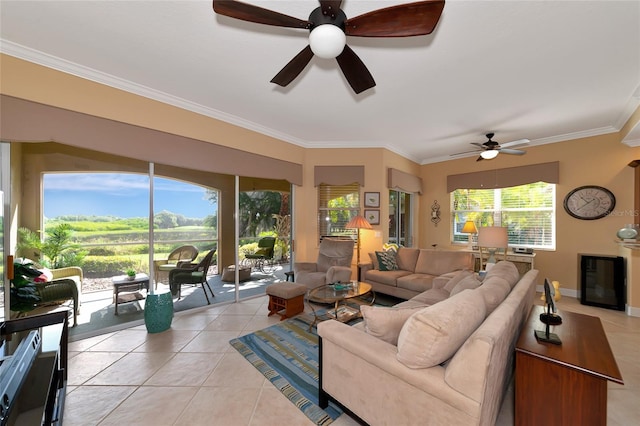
[337, 204]
[400, 218]
[528, 211]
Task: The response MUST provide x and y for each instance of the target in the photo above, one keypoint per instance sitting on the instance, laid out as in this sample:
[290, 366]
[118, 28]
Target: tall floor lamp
[358, 223]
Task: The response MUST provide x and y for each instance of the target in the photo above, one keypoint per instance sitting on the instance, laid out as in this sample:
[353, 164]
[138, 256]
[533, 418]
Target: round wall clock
[589, 202]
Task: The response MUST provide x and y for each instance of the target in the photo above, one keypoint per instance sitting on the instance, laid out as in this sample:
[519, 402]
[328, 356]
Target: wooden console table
[563, 384]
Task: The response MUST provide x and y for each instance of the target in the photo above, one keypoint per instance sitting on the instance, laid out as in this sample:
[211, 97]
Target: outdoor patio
[97, 311]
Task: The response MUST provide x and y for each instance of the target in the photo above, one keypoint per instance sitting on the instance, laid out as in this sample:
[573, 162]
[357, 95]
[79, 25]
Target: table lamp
[469, 228]
[358, 222]
[492, 238]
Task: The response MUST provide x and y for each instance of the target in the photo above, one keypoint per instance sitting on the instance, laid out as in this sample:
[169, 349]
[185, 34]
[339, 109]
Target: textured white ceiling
[542, 70]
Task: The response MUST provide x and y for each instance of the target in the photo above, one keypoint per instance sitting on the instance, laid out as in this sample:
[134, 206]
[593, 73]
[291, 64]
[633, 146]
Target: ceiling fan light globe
[327, 41]
[490, 154]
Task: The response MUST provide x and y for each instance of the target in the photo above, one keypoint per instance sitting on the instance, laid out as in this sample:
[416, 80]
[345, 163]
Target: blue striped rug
[287, 355]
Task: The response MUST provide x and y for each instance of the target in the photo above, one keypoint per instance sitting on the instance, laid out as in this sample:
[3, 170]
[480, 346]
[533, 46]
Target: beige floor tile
[132, 369]
[229, 323]
[234, 370]
[259, 322]
[243, 309]
[167, 341]
[193, 321]
[274, 409]
[87, 405]
[211, 341]
[122, 341]
[185, 369]
[86, 365]
[220, 406]
[149, 405]
[84, 344]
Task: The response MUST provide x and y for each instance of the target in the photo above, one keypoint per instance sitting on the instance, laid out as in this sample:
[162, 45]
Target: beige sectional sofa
[451, 361]
[418, 270]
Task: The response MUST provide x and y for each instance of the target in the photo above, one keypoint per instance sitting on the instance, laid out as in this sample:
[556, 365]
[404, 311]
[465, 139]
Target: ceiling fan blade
[404, 20]
[330, 7]
[354, 70]
[293, 68]
[478, 145]
[259, 15]
[515, 143]
[479, 158]
[512, 151]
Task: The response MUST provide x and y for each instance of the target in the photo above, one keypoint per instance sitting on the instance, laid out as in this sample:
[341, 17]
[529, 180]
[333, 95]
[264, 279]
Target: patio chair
[263, 256]
[181, 254]
[190, 273]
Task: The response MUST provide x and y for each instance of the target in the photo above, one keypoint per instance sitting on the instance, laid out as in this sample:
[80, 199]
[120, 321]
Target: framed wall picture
[373, 216]
[372, 199]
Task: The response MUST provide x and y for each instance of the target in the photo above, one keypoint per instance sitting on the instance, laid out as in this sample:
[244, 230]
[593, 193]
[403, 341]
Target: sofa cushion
[407, 258]
[386, 322]
[374, 260]
[411, 304]
[506, 270]
[387, 260]
[385, 277]
[438, 262]
[461, 275]
[494, 290]
[469, 283]
[416, 282]
[431, 296]
[433, 334]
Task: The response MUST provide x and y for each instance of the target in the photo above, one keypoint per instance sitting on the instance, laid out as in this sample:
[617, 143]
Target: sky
[120, 194]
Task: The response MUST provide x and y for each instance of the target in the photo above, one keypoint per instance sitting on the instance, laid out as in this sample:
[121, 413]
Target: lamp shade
[358, 222]
[469, 227]
[493, 236]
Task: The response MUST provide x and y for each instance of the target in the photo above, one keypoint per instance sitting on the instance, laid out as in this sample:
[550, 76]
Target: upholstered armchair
[333, 264]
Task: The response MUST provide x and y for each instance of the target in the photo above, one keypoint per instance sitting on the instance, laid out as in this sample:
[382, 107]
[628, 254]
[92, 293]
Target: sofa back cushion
[407, 258]
[459, 276]
[433, 334]
[469, 283]
[494, 290]
[438, 262]
[506, 270]
[386, 322]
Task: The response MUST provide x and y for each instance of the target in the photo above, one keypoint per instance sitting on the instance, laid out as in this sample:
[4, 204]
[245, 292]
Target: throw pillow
[469, 283]
[385, 323]
[433, 334]
[390, 246]
[387, 260]
[374, 261]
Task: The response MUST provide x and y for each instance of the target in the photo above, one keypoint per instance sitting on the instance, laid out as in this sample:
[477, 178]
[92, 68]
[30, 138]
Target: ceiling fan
[329, 26]
[490, 149]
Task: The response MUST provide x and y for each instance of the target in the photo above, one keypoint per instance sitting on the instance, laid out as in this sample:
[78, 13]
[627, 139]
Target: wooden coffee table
[338, 294]
[122, 283]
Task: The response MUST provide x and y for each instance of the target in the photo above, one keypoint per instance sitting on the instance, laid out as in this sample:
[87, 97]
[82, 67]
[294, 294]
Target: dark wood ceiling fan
[329, 26]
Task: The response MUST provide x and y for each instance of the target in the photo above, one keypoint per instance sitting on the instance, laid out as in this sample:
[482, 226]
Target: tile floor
[190, 375]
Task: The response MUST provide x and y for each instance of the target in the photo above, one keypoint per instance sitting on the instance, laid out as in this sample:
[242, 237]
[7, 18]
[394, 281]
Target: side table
[123, 283]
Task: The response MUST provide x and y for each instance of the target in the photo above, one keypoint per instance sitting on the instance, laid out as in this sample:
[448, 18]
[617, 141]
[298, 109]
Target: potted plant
[131, 273]
[24, 294]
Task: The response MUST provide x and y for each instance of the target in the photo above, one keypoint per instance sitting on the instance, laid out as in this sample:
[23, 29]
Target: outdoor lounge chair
[181, 254]
[189, 273]
[263, 256]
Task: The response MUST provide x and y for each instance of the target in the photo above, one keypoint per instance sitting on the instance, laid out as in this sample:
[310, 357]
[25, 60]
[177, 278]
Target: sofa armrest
[338, 274]
[357, 347]
[364, 268]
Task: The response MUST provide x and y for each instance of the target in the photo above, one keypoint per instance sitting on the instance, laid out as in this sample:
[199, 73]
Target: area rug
[287, 354]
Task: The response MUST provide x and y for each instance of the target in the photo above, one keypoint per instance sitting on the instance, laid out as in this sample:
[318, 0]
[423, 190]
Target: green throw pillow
[387, 260]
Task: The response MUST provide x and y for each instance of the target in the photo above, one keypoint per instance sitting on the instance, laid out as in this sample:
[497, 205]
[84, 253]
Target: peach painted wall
[597, 160]
[601, 160]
